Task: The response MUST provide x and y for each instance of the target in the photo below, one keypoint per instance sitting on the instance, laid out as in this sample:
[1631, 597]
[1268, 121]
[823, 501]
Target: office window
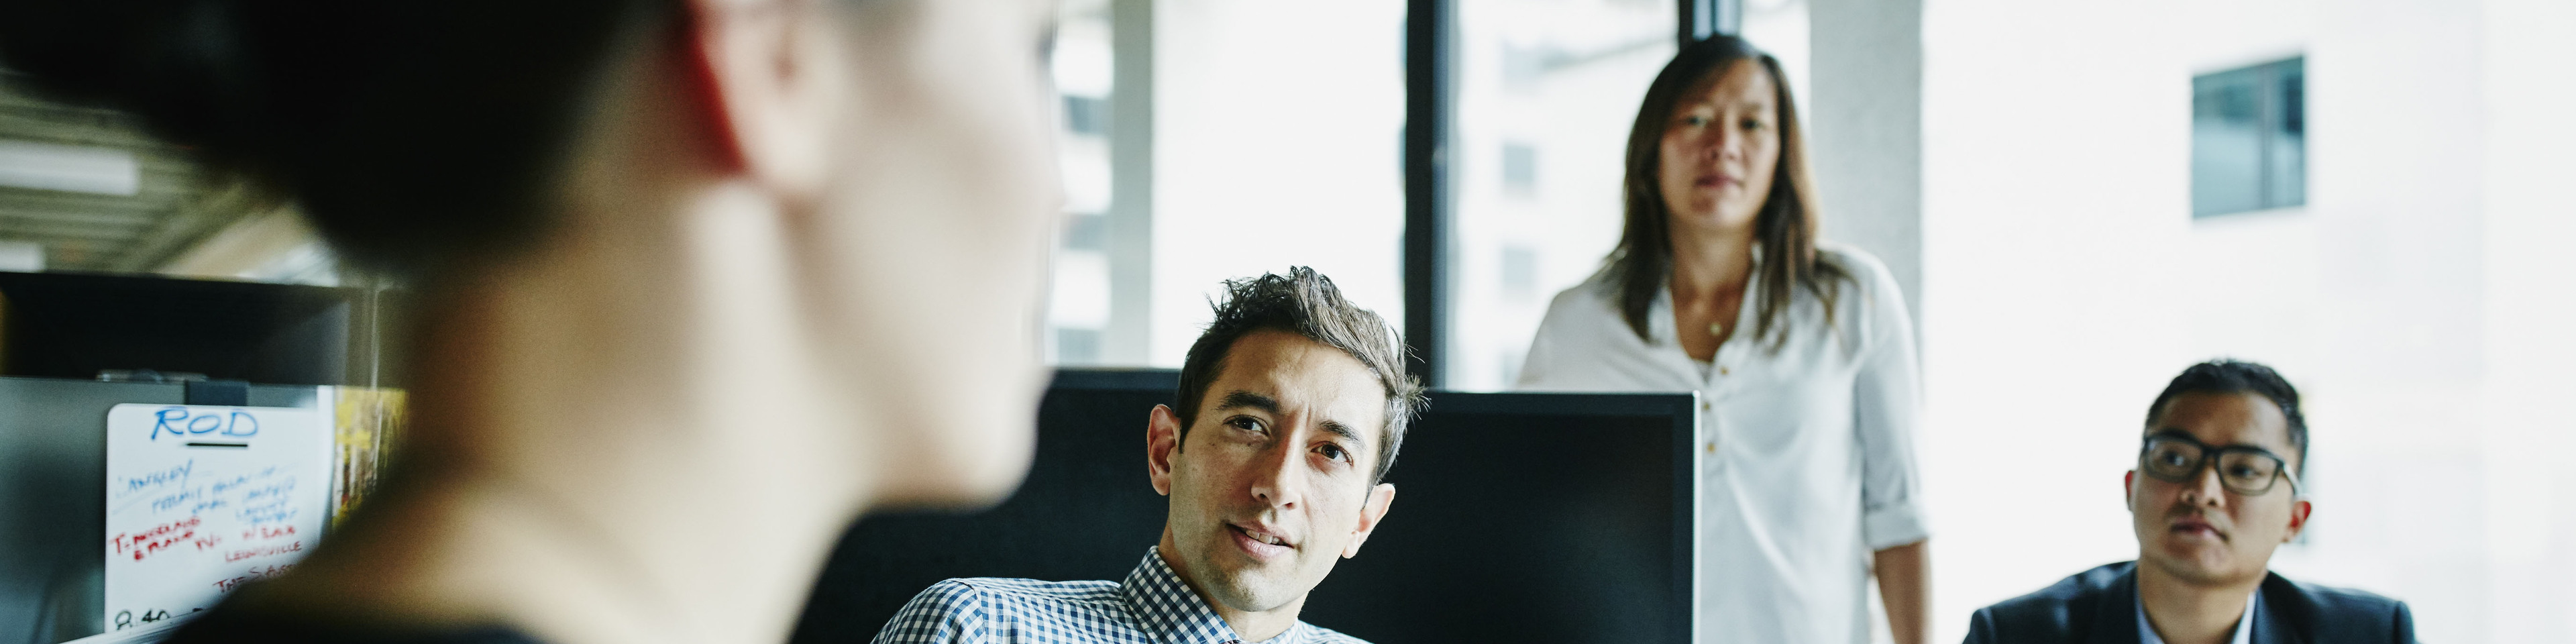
[1078, 304]
[1271, 124]
[1546, 91]
[1207, 140]
[2249, 139]
[1525, 68]
[1088, 115]
[1520, 272]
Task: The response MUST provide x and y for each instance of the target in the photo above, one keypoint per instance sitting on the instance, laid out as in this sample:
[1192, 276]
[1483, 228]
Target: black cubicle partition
[1518, 518]
[75, 325]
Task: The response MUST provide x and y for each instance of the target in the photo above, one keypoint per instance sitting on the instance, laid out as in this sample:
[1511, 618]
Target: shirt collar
[1174, 614]
[2244, 625]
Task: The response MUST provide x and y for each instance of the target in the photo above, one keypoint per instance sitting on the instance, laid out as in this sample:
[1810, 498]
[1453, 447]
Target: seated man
[2223, 447]
[1292, 405]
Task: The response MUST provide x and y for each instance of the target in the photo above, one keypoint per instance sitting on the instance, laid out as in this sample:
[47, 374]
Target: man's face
[2198, 530]
[1272, 483]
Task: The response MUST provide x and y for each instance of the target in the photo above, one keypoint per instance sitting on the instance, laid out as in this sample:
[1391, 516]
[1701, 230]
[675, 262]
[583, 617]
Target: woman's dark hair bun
[413, 133]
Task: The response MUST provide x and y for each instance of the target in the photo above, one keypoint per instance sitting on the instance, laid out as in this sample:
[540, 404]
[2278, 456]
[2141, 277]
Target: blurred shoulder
[979, 594]
[2331, 614]
[1863, 292]
[1585, 314]
[2062, 611]
[1584, 343]
[982, 608]
[1026, 589]
[1596, 296]
[1859, 266]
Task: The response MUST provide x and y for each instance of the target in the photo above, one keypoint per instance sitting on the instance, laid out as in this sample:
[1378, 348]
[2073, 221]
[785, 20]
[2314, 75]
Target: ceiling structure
[163, 205]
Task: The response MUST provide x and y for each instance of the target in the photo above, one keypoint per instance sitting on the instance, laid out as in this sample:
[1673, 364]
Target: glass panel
[1546, 91]
[2227, 142]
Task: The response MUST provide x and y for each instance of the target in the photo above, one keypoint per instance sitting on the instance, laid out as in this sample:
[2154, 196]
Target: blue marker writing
[161, 421]
[179, 422]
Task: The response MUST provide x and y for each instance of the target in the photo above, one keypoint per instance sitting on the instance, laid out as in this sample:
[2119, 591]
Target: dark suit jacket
[2100, 606]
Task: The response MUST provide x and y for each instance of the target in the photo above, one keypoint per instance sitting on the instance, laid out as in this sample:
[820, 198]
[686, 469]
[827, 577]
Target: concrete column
[1129, 336]
[1865, 130]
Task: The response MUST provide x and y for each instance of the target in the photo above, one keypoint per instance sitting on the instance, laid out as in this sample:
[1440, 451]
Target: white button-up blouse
[1810, 446]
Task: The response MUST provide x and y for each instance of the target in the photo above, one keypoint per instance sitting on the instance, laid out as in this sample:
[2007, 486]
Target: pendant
[1716, 329]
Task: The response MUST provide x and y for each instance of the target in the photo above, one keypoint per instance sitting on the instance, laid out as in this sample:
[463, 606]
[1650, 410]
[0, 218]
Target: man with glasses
[2221, 457]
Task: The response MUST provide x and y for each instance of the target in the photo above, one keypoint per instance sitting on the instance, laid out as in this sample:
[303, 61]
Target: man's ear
[1379, 499]
[2129, 491]
[1162, 439]
[2299, 510]
[769, 81]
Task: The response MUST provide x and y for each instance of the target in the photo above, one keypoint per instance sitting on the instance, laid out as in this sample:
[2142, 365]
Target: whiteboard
[201, 499]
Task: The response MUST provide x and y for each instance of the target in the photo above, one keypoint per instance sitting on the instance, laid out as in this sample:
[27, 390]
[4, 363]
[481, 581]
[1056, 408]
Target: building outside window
[1546, 91]
[1078, 307]
[2249, 138]
[1205, 140]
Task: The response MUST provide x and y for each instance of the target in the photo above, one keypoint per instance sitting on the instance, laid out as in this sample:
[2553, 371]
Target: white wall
[2041, 320]
[2530, 223]
[1865, 135]
[2412, 299]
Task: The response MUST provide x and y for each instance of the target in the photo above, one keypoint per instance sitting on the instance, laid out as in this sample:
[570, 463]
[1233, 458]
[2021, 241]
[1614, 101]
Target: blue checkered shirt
[1151, 607]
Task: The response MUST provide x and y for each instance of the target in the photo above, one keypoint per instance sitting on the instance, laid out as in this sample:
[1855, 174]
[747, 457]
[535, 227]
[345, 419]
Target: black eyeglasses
[2244, 470]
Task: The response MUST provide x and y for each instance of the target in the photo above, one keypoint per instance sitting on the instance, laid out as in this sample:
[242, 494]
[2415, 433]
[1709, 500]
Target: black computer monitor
[1518, 518]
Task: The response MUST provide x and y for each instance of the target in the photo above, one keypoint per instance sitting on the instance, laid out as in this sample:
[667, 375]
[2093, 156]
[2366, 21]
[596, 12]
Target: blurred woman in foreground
[1802, 355]
[700, 281]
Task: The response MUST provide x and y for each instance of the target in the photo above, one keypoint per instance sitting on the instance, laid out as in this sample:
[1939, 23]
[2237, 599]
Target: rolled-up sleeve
[1887, 407]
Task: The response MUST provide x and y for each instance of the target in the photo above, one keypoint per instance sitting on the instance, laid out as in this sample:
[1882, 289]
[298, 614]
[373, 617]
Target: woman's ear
[769, 79]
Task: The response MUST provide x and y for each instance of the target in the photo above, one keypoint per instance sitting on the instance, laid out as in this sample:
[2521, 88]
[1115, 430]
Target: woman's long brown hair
[1785, 230]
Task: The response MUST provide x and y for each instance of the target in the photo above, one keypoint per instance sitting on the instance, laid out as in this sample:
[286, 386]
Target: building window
[1520, 271]
[1086, 231]
[1077, 346]
[1086, 115]
[2249, 141]
[1520, 168]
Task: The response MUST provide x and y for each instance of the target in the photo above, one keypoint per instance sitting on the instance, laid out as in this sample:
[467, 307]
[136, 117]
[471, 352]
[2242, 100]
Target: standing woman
[701, 281]
[1802, 355]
